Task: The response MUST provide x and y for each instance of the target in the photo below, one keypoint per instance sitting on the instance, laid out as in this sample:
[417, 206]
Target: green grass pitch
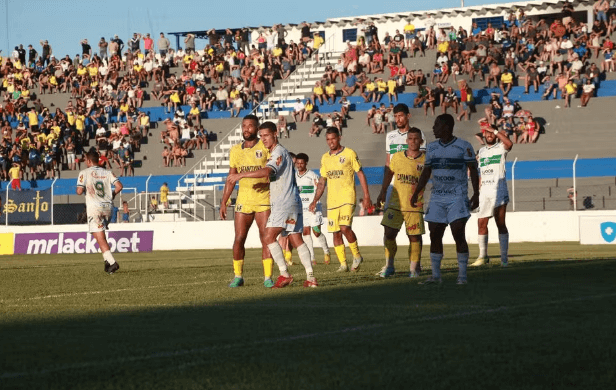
[167, 320]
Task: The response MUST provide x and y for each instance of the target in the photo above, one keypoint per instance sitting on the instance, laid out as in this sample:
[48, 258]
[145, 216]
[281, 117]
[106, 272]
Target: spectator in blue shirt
[350, 84]
[476, 29]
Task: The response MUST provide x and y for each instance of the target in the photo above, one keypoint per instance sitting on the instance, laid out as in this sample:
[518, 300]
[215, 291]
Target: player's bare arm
[318, 194]
[387, 176]
[117, 188]
[421, 184]
[364, 186]
[472, 166]
[502, 136]
[226, 194]
[261, 173]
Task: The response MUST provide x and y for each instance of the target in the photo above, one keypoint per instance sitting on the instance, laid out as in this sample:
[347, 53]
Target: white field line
[361, 328]
[74, 294]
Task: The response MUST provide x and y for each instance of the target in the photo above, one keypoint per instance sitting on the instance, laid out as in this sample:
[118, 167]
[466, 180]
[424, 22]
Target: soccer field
[167, 320]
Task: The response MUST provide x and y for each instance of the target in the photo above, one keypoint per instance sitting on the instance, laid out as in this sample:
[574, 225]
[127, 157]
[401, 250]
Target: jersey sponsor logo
[259, 154]
[407, 179]
[487, 171]
[444, 192]
[342, 159]
[447, 179]
[249, 168]
[496, 159]
[345, 218]
[390, 216]
[335, 174]
[330, 222]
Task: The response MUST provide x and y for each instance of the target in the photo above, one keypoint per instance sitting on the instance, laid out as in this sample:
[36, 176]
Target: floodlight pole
[574, 184]
[513, 179]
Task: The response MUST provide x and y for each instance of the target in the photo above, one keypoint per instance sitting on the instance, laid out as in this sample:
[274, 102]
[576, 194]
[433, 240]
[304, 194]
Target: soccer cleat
[269, 283]
[504, 264]
[387, 272]
[413, 274]
[237, 282]
[461, 281]
[283, 282]
[311, 283]
[343, 268]
[481, 261]
[432, 280]
[111, 268]
[327, 258]
[314, 262]
[356, 263]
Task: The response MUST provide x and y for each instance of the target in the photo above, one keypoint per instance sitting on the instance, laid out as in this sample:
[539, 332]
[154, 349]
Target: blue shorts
[410, 36]
[447, 212]
[601, 16]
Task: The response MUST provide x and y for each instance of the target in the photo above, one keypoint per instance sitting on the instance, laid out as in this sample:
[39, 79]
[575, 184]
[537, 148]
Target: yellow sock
[354, 249]
[341, 254]
[390, 251]
[415, 251]
[268, 268]
[238, 268]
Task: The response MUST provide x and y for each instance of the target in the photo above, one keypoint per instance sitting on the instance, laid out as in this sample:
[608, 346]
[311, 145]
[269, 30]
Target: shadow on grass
[303, 337]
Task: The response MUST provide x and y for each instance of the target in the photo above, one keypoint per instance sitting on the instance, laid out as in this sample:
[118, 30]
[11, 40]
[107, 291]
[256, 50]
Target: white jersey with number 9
[97, 183]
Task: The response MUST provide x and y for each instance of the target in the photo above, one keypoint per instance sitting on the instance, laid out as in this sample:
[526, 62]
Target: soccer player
[286, 213]
[447, 160]
[338, 168]
[96, 183]
[307, 182]
[252, 202]
[493, 197]
[405, 168]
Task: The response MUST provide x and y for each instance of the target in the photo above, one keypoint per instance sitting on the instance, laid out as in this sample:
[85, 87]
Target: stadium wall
[144, 237]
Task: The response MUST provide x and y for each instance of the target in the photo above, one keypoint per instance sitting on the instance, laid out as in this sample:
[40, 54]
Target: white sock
[304, 257]
[276, 251]
[483, 246]
[435, 261]
[322, 243]
[462, 263]
[108, 257]
[308, 240]
[503, 240]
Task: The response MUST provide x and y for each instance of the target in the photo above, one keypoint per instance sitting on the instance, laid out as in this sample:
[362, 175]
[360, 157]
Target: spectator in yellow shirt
[571, 89]
[506, 81]
[317, 93]
[392, 89]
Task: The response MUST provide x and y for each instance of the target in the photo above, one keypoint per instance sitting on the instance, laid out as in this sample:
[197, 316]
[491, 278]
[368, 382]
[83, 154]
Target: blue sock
[435, 261]
[462, 263]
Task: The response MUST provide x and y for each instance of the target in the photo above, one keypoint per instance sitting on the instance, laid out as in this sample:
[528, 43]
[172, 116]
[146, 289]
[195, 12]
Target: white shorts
[98, 218]
[487, 203]
[290, 220]
[447, 212]
[313, 219]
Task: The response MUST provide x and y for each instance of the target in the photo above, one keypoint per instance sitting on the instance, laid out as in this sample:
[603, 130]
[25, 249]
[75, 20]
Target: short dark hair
[93, 155]
[302, 156]
[415, 130]
[447, 119]
[333, 130]
[268, 126]
[251, 117]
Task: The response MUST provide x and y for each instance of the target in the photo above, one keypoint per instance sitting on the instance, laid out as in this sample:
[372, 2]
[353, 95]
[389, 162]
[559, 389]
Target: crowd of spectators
[108, 87]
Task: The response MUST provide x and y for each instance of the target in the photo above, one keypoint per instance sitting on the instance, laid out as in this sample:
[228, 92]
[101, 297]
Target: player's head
[267, 133]
[489, 135]
[250, 126]
[443, 126]
[332, 136]
[92, 158]
[414, 139]
[402, 115]
[301, 160]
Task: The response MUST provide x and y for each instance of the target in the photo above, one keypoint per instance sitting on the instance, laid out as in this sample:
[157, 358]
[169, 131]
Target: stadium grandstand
[171, 114]
[175, 113]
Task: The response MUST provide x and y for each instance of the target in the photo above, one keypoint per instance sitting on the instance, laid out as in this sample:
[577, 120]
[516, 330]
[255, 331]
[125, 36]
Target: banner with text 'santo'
[27, 207]
[81, 242]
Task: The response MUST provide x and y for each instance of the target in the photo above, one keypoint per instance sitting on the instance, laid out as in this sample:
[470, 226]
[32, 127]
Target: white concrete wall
[545, 226]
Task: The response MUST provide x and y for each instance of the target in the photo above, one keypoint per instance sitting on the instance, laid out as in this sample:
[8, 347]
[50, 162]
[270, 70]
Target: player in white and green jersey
[493, 196]
[96, 182]
[307, 182]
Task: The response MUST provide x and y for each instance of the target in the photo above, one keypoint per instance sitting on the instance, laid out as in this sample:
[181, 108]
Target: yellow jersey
[80, 122]
[164, 192]
[14, 172]
[406, 176]
[391, 86]
[339, 170]
[331, 89]
[382, 86]
[33, 118]
[248, 160]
